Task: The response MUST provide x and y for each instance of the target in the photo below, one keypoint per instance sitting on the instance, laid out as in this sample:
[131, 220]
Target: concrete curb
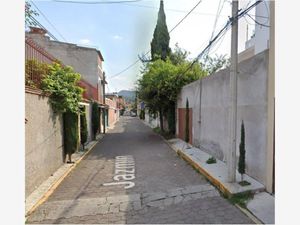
[58, 182]
[249, 214]
[213, 181]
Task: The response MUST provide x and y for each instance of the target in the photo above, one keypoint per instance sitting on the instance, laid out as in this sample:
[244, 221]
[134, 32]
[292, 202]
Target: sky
[123, 31]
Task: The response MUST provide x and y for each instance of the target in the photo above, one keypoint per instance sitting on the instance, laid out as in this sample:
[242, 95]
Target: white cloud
[84, 41]
[117, 37]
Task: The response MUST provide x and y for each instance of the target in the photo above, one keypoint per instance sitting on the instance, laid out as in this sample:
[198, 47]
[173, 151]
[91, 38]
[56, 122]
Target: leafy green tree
[160, 43]
[241, 166]
[162, 81]
[71, 135]
[178, 55]
[187, 122]
[214, 64]
[83, 127]
[61, 84]
[95, 119]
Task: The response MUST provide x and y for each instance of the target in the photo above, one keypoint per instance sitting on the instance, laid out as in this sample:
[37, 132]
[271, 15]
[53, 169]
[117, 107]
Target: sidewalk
[261, 206]
[41, 194]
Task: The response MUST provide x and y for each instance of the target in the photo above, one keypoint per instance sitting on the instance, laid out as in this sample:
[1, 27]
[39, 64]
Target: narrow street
[166, 189]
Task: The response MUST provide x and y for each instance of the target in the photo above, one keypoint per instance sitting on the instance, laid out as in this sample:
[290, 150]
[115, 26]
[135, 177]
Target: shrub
[83, 127]
[241, 166]
[95, 119]
[61, 84]
[211, 160]
[187, 122]
[142, 114]
[35, 72]
[71, 136]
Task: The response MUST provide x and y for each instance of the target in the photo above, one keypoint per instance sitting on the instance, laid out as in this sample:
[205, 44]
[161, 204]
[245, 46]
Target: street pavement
[133, 176]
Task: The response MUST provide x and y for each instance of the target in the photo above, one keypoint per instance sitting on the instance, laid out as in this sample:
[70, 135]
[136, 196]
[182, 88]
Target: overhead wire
[96, 2]
[45, 17]
[219, 10]
[41, 26]
[135, 62]
[51, 35]
[221, 32]
[168, 9]
[261, 24]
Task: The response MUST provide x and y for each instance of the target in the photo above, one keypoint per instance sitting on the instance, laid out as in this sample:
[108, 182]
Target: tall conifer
[160, 42]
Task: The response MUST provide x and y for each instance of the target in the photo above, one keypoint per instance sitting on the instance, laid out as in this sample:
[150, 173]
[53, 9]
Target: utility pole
[231, 161]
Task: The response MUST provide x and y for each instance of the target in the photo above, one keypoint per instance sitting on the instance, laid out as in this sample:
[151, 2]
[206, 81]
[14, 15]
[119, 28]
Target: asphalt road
[166, 189]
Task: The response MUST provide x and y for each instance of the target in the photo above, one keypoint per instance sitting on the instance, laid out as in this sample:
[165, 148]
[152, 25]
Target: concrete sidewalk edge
[57, 182]
[215, 182]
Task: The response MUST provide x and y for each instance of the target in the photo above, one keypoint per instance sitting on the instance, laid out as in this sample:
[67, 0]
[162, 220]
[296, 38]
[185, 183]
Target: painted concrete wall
[113, 111]
[43, 141]
[210, 132]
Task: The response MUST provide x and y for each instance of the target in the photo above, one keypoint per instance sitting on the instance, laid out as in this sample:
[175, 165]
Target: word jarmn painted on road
[124, 172]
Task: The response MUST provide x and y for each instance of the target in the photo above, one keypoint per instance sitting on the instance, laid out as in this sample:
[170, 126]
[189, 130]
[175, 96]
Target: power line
[51, 35]
[48, 21]
[96, 2]
[166, 9]
[263, 25]
[185, 16]
[122, 71]
[219, 10]
[221, 32]
[131, 65]
[41, 26]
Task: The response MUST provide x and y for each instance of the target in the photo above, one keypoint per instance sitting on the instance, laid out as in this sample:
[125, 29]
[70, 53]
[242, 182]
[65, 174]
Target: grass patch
[241, 198]
[211, 160]
[244, 183]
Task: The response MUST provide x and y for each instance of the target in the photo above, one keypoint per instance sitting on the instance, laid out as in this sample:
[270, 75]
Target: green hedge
[83, 127]
[71, 136]
[95, 119]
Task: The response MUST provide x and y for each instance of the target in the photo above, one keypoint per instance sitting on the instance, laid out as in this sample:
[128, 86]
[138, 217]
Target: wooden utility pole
[231, 160]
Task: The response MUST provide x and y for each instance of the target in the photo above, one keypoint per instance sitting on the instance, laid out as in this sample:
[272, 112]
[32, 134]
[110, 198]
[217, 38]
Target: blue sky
[122, 31]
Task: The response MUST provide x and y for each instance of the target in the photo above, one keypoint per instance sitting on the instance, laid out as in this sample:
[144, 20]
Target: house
[112, 99]
[260, 39]
[44, 134]
[84, 60]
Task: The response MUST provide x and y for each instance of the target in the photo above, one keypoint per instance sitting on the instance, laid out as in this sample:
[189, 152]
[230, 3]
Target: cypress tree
[83, 127]
[241, 168]
[187, 122]
[71, 134]
[160, 42]
[95, 119]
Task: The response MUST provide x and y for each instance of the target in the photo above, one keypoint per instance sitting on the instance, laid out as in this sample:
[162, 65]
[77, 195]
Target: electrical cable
[48, 21]
[216, 21]
[241, 14]
[261, 24]
[41, 26]
[96, 2]
[131, 65]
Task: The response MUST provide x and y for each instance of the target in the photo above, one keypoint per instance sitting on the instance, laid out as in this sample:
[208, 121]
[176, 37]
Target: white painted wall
[211, 135]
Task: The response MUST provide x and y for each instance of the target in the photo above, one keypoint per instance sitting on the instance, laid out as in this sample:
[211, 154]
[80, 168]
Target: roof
[42, 32]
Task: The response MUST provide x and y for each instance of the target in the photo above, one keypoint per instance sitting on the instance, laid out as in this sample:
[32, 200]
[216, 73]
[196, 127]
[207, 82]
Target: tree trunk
[161, 119]
[70, 158]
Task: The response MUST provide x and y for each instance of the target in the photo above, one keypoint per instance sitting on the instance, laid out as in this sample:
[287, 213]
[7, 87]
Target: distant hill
[128, 95]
